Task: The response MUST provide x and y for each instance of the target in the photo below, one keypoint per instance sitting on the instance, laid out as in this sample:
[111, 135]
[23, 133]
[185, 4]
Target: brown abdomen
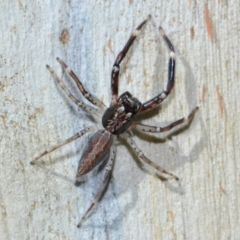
[96, 151]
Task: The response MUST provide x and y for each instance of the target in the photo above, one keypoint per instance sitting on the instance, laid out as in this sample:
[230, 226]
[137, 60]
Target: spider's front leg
[70, 95]
[120, 57]
[171, 72]
[80, 86]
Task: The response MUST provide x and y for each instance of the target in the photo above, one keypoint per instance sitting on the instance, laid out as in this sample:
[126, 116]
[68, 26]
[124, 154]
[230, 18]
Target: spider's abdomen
[118, 117]
[98, 148]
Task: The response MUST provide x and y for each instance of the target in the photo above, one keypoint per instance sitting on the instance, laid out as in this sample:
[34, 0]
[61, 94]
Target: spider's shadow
[175, 187]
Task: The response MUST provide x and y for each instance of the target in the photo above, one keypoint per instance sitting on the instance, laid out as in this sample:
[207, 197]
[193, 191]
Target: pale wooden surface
[35, 114]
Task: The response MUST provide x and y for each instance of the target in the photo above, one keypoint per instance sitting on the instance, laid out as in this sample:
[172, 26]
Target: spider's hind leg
[108, 171]
[77, 135]
[141, 156]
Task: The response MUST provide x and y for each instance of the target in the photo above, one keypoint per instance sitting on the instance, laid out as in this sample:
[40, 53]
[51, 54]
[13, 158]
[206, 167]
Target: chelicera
[117, 120]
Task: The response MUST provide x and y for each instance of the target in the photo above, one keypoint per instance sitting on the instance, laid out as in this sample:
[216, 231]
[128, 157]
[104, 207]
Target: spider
[117, 119]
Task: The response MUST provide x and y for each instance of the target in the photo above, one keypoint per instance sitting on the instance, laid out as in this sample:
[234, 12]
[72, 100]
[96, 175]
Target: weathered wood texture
[35, 114]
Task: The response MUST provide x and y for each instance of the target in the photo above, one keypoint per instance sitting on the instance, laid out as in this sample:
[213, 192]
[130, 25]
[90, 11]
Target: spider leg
[86, 94]
[171, 72]
[77, 102]
[120, 57]
[140, 154]
[78, 135]
[105, 180]
[154, 129]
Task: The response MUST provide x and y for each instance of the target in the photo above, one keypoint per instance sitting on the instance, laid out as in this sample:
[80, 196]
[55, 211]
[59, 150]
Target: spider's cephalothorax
[117, 120]
[118, 117]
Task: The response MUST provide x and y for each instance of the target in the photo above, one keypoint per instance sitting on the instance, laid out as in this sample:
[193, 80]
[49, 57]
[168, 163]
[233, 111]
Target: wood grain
[37, 204]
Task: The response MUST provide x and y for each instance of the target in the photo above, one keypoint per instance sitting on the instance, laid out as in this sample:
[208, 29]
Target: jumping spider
[117, 119]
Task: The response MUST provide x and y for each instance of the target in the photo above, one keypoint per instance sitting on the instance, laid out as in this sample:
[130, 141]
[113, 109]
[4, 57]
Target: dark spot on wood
[65, 36]
[192, 32]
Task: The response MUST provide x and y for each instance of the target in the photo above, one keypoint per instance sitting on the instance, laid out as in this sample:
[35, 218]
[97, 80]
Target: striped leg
[105, 180]
[120, 57]
[171, 71]
[140, 154]
[78, 135]
[86, 94]
[154, 129]
[77, 102]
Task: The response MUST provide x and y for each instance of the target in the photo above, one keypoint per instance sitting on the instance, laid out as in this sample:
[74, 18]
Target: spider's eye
[128, 116]
[121, 110]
